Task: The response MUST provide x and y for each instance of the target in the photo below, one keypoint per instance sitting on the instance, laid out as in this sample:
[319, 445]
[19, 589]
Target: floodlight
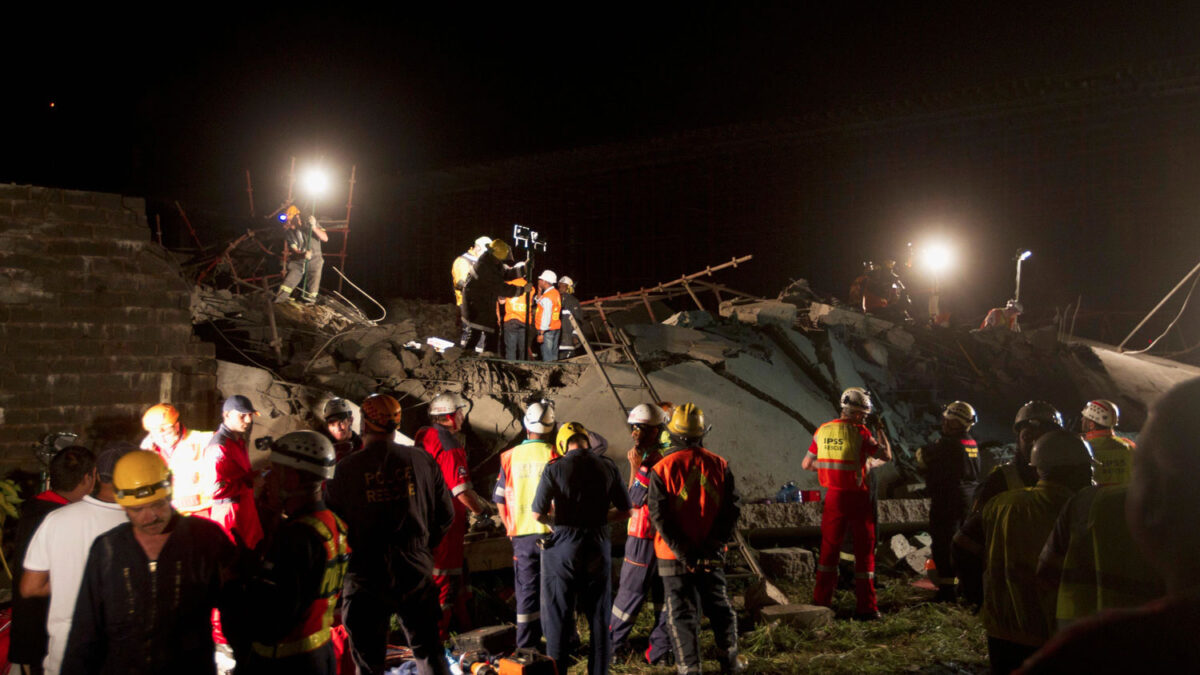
[937, 257]
[315, 182]
[1023, 254]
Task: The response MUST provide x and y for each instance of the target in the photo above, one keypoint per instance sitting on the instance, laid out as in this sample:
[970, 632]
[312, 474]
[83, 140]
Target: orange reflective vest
[522, 468]
[842, 448]
[639, 518]
[1115, 455]
[316, 627]
[193, 469]
[695, 478]
[516, 308]
[554, 320]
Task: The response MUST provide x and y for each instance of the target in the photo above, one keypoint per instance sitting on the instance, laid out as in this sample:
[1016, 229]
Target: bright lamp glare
[1024, 255]
[937, 257]
[315, 182]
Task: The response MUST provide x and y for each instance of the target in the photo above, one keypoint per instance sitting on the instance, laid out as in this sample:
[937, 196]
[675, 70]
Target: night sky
[177, 107]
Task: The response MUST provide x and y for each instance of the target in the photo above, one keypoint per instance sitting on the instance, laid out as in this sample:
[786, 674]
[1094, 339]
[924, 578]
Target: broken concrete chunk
[347, 349]
[381, 363]
[410, 359]
[792, 514]
[693, 319]
[452, 354]
[798, 616]
[492, 639]
[353, 386]
[412, 389]
[875, 351]
[491, 417]
[323, 364]
[924, 538]
[900, 546]
[917, 559]
[760, 313]
[791, 563]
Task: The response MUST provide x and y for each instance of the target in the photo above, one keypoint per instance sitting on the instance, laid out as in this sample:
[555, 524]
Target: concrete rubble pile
[765, 372]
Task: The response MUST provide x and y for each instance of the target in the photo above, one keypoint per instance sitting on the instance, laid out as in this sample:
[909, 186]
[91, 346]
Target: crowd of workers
[523, 317]
[155, 558]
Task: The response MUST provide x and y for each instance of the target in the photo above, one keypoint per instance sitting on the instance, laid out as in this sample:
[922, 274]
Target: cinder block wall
[94, 323]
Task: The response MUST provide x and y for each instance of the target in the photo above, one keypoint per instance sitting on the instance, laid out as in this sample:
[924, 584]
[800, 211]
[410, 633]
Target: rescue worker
[339, 427]
[396, 505]
[1004, 317]
[639, 571]
[302, 243]
[1009, 534]
[444, 441]
[569, 340]
[951, 468]
[839, 453]
[59, 551]
[694, 506]
[233, 500]
[574, 494]
[515, 322]
[520, 470]
[189, 457]
[150, 585]
[1033, 420]
[1114, 453]
[484, 285]
[1090, 562]
[72, 476]
[859, 285]
[461, 268]
[1162, 508]
[280, 620]
[548, 318]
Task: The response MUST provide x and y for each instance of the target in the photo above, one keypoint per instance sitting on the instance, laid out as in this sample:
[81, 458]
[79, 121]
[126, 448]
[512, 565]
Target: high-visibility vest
[523, 466]
[639, 518]
[695, 480]
[193, 469]
[516, 308]
[555, 299]
[1012, 476]
[1103, 568]
[316, 627]
[841, 463]
[1115, 455]
[459, 271]
[1016, 525]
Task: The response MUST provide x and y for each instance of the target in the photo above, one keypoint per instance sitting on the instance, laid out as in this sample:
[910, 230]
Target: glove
[312, 221]
[519, 265]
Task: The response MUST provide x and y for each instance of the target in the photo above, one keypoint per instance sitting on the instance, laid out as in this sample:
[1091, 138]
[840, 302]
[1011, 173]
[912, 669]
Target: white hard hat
[446, 404]
[549, 277]
[856, 398]
[483, 242]
[306, 451]
[1102, 412]
[963, 412]
[646, 413]
[567, 281]
[338, 407]
[539, 417]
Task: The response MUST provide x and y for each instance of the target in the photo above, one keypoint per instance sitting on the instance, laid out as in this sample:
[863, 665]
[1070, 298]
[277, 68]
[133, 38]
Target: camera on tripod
[524, 237]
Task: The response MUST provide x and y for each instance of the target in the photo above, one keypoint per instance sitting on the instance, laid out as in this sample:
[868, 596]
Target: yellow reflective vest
[522, 470]
[1115, 455]
[1103, 568]
[1016, 526]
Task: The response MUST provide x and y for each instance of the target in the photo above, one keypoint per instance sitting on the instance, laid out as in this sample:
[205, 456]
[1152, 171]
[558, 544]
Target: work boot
[945, 594]
[868, 616]
[737, 664]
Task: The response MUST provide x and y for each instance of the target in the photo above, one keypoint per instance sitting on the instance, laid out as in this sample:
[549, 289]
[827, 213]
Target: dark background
[1103, 189]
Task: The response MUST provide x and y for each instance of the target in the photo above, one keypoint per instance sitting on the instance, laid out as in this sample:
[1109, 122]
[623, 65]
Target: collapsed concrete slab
[803, 617]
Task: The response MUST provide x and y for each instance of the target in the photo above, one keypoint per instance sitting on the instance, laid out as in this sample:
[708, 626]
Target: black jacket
[28, 639]
[135, 618]
[397, 509]
[484, 287]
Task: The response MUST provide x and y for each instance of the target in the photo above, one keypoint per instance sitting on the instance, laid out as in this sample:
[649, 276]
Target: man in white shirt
[59, 550]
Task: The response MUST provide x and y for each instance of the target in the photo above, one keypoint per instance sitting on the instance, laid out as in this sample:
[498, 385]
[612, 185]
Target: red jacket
[233, 500]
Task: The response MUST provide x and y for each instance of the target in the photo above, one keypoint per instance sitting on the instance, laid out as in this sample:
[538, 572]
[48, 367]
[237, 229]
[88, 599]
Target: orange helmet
[159, 416]
[381, 413]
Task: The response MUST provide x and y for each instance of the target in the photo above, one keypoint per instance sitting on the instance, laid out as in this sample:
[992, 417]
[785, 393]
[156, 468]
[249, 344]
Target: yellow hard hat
[500, 249]
[566, 432]
[381, 413]
[141, 477]
[292, 212]
[687, 421]
[159, 416]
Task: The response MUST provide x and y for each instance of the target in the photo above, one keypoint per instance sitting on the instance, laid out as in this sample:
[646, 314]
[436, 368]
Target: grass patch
[915, 636]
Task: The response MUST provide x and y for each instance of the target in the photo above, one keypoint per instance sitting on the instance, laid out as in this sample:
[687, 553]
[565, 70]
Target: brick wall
[94, 322]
